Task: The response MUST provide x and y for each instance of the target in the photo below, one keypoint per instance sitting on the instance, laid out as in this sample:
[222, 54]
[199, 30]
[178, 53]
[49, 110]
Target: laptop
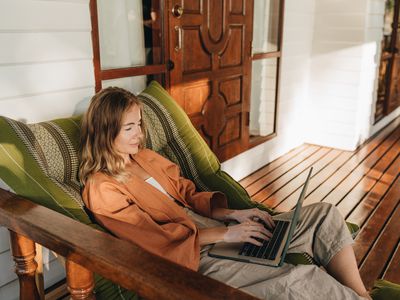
[273, 251]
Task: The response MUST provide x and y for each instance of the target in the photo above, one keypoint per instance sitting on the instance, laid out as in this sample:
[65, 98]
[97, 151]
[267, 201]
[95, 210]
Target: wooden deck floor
[364, 185]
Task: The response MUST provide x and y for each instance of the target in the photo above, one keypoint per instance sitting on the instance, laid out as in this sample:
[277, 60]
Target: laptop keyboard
[270, 248]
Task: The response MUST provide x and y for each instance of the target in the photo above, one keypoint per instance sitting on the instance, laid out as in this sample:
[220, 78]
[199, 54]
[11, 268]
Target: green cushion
[40, 162]
[353, 228]
[385, 290]
[107, 290]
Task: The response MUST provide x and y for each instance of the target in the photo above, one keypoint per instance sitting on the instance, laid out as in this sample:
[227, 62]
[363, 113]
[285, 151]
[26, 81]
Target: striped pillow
[40, 162]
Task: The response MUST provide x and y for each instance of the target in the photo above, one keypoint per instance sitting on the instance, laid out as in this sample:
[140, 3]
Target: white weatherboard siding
[336, 66]
[344, 72]
[46, 72]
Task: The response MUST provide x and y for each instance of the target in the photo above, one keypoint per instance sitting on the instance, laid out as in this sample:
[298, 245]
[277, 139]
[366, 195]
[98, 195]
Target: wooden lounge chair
[39, 163]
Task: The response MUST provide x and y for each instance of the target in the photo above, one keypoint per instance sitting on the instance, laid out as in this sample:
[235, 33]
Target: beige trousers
[321, 232]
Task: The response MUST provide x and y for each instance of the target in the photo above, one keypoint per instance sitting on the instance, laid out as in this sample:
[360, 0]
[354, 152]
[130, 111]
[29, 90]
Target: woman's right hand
[248, 231]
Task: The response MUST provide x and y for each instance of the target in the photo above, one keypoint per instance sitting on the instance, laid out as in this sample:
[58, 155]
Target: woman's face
[129, 137]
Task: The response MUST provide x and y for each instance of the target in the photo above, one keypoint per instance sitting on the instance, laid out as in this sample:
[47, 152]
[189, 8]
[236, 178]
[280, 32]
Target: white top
[158, 186]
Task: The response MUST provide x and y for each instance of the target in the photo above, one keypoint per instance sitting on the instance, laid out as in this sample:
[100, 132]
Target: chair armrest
[122, 262]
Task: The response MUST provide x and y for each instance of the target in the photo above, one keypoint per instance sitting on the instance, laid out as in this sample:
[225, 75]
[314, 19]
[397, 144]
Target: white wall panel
[29, 15]
[334, 140]
[342, 7]
[7, 273]
[340, 63]
[374, 34]
[334, 89]
[340, 20]
[4, 239]
[28, 47]
[299, 20]
[72, 1]
[338, 48]
[53, 271]
[376, 7]
[350, 33]
[341, 120]
[57, 104]
[28, 79]
[339, 76]
[328, 34]
[293, 7]
[375, 21]
[333, 102]
[10, 291]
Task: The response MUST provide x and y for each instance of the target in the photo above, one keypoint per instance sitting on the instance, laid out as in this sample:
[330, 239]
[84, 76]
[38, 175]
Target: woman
[140, 196]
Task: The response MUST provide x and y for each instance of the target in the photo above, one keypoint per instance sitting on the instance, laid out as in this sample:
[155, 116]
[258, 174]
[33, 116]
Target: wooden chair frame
[88, 251]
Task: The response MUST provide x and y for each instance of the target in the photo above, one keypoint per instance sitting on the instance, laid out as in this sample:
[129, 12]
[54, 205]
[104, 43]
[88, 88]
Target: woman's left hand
[252, 214]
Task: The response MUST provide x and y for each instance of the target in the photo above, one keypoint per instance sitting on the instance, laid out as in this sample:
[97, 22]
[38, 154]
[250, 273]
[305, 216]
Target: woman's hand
[248, 231]
[252, 214]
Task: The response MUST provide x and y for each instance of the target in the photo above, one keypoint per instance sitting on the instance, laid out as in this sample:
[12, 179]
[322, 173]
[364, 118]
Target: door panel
[233, 53]
[210, 45]
[191, 40]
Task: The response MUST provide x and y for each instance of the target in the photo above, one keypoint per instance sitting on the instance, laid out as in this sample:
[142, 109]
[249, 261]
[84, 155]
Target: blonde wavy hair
[100, 126]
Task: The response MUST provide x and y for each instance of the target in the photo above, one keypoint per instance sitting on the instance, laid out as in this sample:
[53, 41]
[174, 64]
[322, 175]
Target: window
[128, 43]
[266, 53]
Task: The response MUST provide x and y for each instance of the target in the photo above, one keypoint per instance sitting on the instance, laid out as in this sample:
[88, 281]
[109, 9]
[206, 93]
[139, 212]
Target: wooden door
[210, 48]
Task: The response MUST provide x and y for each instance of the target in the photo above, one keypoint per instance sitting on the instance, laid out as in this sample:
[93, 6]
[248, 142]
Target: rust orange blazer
[138, 212]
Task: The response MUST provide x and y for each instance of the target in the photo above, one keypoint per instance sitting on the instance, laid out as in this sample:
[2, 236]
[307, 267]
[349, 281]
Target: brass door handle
[177, 11]
[178, 38]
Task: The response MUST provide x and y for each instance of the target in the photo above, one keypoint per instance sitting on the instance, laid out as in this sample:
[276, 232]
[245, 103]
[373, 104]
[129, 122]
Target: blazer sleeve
[119, 214]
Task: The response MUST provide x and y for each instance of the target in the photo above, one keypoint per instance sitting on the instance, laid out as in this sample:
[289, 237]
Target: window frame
[255, 140]
[107, 74]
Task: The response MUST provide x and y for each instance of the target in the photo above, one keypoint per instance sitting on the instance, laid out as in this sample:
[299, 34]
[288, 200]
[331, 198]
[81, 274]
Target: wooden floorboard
[317, 179]
[382, 250]
[278, 172]
[272, 166]
[371, 188]
[332, 190]
[392, 273]
[283, 194]
[286, 178]
[358, 173]
[364, 185]
[372, 228]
